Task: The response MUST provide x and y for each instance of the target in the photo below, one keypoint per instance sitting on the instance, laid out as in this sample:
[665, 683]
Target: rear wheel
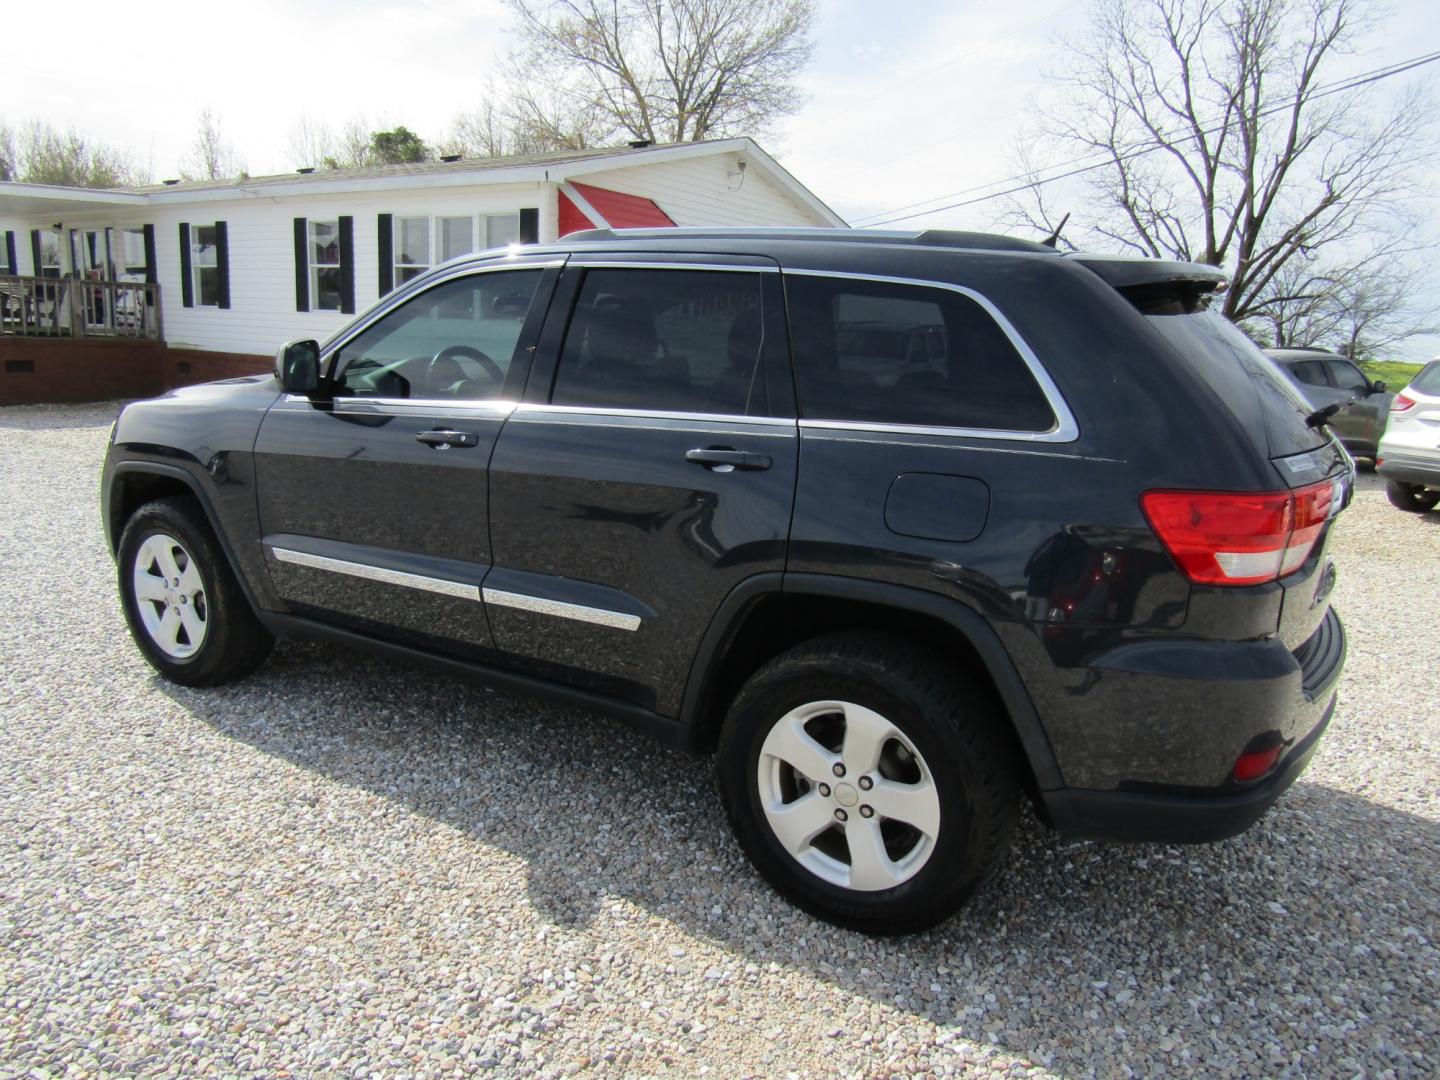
[868, 783]
[1414, 498]
[186, 611]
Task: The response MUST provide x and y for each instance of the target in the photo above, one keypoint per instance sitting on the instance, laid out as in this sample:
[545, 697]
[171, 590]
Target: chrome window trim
[1064, 430]
[500, 407]
[535, 410]
[354, 329]
[377, 573]
[616, 620]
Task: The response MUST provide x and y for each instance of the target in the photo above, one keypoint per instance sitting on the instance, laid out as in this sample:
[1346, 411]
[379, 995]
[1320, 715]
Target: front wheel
[1414, 498]
[186, 611]
[868, 783]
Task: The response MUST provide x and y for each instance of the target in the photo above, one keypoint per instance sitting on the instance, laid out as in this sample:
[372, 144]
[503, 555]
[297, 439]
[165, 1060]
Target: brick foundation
[35, 371]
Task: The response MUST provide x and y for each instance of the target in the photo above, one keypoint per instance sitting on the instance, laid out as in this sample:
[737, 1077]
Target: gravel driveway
[340, 866]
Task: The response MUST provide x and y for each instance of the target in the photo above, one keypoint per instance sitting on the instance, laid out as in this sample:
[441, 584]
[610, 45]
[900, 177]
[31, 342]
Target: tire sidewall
[196, 668]
[944, 879]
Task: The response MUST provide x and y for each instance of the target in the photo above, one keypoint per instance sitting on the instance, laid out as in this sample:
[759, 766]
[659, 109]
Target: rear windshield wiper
[1320, 417]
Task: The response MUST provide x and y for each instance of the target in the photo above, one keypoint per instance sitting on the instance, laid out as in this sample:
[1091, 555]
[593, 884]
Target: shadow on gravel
[1106, 936]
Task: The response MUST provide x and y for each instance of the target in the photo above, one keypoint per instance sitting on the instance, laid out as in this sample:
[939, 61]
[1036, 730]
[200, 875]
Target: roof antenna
[1054, 238]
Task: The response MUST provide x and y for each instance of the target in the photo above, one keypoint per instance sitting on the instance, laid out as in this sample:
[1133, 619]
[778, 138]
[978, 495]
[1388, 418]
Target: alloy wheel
[170, 596]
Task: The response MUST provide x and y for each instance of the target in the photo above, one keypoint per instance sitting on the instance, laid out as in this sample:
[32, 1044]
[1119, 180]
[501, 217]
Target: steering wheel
[450, 352]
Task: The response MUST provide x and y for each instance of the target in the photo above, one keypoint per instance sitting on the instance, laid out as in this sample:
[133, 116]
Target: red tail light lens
[1401, 402]
[1239, 538]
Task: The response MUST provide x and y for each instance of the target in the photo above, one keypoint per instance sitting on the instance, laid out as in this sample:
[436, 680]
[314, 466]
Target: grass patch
[1394, 373]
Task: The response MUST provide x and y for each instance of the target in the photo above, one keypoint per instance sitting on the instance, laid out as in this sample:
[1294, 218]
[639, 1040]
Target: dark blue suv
[900, 526]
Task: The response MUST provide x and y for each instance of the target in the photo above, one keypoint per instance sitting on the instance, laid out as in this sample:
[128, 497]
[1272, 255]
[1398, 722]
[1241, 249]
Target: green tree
[397, 147]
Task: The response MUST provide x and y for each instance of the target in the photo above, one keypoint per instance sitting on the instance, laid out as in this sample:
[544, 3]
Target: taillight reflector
[1401, 402]
[1239, 537]
[1253, 766]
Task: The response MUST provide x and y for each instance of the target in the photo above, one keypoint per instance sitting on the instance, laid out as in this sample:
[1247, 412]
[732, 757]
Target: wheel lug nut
[866, 811]
[838, 769]
[825, 791]
[840, 815]
[866, 783]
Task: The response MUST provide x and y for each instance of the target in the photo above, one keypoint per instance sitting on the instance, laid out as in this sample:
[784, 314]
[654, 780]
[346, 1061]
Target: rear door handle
[724, 459]
[441, 438]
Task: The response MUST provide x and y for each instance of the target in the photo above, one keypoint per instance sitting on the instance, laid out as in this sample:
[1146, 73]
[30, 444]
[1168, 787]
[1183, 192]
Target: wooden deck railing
[78, 307]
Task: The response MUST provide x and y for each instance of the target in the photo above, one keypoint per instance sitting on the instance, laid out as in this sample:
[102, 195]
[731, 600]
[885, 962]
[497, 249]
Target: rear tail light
[1240, 537]
[1401, 402]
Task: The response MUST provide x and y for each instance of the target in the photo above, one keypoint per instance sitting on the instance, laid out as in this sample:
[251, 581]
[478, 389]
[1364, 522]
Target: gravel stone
[343, 867]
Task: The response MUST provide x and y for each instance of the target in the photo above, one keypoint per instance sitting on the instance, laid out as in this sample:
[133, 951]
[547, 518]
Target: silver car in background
[1409, 454]
[1325, 378]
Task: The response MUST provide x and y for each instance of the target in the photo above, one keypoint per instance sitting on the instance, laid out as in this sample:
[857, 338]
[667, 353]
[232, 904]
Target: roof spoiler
[1123, 272]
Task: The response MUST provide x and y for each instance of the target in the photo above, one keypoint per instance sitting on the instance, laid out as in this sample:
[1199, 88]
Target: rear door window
[897, 353]
[678, 341]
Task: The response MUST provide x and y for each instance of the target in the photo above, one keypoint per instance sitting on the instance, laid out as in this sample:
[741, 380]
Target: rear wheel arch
[770, 613]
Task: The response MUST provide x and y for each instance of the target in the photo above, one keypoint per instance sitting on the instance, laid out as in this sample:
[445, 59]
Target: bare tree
[315, 145]
[660, 70]
[44, 155]
[1218, 131]
[211, 156]
[9, 157]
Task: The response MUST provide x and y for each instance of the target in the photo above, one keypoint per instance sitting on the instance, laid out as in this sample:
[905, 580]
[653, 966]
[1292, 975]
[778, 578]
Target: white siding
[700, 191]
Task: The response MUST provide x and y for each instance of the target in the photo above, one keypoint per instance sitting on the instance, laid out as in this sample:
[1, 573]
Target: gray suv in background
[1325, 378]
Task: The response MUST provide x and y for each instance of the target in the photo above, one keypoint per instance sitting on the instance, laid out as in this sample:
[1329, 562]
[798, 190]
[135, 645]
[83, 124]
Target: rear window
[1428, 381]
[894, 353]
[1249, 383]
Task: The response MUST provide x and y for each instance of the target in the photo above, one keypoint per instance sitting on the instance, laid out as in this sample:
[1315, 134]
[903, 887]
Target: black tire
[1412, 498]
[960, 733]
[232, 643]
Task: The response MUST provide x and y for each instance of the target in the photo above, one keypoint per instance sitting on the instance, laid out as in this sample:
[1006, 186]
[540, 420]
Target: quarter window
[665, 340]
[906, 354]
[205, 265]
[456, 340]
[1347, 376]
[325, 278]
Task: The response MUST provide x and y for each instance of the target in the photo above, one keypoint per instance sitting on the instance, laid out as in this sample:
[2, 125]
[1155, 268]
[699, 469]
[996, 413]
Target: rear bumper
[1158, 817]
[1409, 468]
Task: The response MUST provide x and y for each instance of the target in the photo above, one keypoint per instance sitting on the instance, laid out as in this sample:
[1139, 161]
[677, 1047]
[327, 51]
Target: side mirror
[297, 366]
[1378, 386]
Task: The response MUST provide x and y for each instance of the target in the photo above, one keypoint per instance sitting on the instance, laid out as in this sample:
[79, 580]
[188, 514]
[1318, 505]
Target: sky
[908, 100]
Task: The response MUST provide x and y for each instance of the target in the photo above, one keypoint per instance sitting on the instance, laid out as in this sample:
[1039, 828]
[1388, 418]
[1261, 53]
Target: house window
[456, 237]
[205, 266]
[412, 248]
[501, 229]
[132, 253]
[50, 254]
[325, 277]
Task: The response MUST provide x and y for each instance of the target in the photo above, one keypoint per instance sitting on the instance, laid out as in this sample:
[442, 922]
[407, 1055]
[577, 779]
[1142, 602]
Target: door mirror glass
[297, 365]
[1378, 386]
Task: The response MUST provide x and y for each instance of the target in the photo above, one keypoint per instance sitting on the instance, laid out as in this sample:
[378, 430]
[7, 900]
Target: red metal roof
[619, 210]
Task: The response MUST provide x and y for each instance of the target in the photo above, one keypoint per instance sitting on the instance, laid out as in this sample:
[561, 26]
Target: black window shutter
[222, 261]
[530, 225]
[387, 252]
[12, 266]
[302, 266]
[150, 271]
[347, 265]
[187, 286]
[38, 271]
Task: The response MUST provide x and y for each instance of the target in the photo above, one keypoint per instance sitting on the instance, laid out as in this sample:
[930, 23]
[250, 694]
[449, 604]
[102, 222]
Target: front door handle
[441, 438]
[724, 459]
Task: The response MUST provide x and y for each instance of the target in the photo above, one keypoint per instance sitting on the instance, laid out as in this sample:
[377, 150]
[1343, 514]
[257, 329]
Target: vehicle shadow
[1103, 936]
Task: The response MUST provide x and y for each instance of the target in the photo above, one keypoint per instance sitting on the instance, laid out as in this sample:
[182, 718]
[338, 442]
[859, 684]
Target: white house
[243, 265]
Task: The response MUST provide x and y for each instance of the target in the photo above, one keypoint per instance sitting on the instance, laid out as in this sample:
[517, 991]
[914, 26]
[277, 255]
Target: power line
[1085, 164]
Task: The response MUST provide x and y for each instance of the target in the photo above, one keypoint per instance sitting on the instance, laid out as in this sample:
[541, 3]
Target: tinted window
[1428, 381]
[456, 340]
[1310, 372]
[1347, 376]
[665, 340]
[906, 354]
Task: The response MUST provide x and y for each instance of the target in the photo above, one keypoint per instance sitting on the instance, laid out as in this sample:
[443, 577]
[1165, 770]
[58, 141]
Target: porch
[71, 307]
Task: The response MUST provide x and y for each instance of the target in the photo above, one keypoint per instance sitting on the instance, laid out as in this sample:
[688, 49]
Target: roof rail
[928, 238]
